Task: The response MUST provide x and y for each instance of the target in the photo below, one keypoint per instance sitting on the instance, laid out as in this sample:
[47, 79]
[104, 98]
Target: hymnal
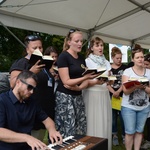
[37, 55]
[133, 81]
[106, 78]
[55, 68]
[95, 71]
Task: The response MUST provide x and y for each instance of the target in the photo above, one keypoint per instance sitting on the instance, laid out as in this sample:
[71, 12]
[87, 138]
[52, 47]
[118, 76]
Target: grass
[121, 146]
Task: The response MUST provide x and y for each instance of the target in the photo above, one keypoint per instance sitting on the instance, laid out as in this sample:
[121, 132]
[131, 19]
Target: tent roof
[115, 21]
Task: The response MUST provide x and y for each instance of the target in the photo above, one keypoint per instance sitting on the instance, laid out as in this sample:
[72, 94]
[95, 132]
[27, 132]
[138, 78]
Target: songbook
[134, 81]
[116, 103]
[55, 68]
[37, 55]
[94, 70]
[106, 78]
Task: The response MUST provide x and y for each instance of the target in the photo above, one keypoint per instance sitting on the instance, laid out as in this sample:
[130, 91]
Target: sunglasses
[29, 86]
[32, 38]
[72, 31]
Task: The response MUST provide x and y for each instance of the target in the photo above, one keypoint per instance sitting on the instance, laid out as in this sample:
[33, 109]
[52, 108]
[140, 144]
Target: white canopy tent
[115, 21]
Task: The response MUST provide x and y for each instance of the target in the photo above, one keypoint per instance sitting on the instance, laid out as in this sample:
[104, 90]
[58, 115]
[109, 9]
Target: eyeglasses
[32, 38]
[72, 31]
[29, 86]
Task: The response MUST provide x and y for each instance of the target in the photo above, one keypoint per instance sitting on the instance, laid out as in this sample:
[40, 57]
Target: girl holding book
[53, 52]
[96, 98]
[135, 103]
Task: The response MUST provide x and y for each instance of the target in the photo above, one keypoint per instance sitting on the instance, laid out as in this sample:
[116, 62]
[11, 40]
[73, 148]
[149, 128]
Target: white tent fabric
[115, 21]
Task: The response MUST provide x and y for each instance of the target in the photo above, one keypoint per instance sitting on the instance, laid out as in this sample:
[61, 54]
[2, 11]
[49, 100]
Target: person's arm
[147, 90]
[85, 84]
[64, 75]
[13, 77]
[94, 82]
[54, 135]
[35, 69]
[130, 90]
[9, 136]
[115, 93]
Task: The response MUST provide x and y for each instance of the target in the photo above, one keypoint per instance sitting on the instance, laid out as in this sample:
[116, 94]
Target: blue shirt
[18, 117]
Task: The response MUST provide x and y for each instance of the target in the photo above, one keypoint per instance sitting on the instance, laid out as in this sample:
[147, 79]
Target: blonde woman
[70, 116]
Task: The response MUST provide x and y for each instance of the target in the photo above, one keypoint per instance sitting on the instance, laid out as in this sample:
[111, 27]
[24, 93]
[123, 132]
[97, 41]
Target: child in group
[115, 89]
[53, 52]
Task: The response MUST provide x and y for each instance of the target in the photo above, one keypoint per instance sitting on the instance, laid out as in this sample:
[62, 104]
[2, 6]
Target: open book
[134, 81]
[94, 70]
[55, 68]
[37, 55]
[106, 78]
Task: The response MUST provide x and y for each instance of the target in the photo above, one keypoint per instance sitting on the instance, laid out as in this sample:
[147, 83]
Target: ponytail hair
[69, 37]
[114, 51]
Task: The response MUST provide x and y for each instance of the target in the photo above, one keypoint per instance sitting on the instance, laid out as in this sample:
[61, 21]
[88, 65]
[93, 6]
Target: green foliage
[106, 51]
[11, 49]
[53, 40]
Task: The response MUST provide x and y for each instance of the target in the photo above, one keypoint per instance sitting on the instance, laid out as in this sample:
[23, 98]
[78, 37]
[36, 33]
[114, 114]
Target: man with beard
[18, 112]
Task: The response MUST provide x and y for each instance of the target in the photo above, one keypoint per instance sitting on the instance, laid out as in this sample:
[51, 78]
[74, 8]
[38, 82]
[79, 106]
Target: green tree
[11, 49]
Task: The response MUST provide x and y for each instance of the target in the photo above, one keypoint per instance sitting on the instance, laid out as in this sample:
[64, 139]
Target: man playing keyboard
[18, 113]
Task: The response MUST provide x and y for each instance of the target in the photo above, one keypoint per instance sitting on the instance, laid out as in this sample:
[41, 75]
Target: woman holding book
[97, 98]
[32, 42]
[135, 103]
[70, 116]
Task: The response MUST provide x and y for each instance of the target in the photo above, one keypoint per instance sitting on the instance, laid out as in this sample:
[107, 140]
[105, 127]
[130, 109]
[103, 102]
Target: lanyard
[50, 84]
[44, 70]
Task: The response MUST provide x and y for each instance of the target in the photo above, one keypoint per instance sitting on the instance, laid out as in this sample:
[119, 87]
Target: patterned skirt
[70, 116]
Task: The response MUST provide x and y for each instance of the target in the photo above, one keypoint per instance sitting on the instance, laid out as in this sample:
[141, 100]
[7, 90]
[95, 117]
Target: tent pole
[12, 34]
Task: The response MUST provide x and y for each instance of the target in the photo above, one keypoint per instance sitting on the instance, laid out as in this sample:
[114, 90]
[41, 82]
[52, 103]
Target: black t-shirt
[74, 67]
[20, 65]
[44, 94]
[118, 73]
